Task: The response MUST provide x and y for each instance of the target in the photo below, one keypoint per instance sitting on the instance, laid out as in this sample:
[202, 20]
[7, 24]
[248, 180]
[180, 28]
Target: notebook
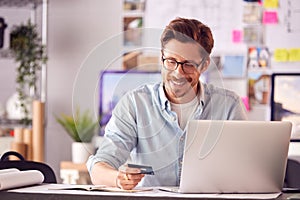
[234, 157]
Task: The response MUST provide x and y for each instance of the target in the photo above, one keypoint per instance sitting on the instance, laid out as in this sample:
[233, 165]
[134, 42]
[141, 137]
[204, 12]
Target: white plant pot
[81, 151]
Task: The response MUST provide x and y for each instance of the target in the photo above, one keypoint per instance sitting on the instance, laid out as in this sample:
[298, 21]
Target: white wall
[75, 27]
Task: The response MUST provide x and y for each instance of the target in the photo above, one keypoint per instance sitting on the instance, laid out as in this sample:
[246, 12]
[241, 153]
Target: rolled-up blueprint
[14, 179]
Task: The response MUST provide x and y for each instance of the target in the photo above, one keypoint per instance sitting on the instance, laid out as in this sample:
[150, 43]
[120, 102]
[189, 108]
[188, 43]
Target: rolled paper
[38, 131]
[27, 133]
[18, 147]
[17, 179]
[18, 135]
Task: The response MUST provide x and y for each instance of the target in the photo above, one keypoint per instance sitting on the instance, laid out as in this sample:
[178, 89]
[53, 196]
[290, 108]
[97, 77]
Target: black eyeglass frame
[182, 64]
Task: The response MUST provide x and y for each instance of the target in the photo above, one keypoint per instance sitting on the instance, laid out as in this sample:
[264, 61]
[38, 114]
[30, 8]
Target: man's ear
[205, 64]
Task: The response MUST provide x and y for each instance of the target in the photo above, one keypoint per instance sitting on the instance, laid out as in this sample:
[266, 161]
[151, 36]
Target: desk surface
[46, 192]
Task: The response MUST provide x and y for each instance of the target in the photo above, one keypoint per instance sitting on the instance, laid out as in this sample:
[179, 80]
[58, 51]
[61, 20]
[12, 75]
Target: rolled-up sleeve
[120, 136]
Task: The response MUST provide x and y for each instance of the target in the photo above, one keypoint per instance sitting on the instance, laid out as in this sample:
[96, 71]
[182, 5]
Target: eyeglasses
[187, 67]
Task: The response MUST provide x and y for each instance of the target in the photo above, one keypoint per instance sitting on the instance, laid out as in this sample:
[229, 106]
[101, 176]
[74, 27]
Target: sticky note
[237, 36]
[281, 55]
[294, 54]
[271, 3]
[270, 17]
[246, 103]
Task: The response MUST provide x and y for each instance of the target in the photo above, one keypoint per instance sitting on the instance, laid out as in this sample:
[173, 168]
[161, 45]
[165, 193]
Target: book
[14, 178]
[102, 188]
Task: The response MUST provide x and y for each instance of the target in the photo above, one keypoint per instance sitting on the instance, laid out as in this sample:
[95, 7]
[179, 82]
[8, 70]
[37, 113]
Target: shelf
[19, 3]
[11, 123]
[261, 70]
[133, 14]
[6, 53]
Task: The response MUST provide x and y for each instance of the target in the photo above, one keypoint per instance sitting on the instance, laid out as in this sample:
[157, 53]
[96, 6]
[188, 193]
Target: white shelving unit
[132, 22]
[36, 11]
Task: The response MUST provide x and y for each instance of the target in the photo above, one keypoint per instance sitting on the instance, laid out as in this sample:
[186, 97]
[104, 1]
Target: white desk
[49, 191]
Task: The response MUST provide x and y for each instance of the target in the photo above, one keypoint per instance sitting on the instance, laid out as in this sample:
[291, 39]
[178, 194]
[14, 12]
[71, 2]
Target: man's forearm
[104, 174]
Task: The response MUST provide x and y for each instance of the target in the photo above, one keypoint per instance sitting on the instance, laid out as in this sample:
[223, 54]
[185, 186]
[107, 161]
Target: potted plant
[81, 128]
[30, 54]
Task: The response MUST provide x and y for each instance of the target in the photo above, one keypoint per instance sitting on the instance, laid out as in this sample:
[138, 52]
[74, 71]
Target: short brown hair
[182, 28]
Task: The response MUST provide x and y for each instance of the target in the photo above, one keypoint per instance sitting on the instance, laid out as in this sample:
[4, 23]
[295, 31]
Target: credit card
[144, 169]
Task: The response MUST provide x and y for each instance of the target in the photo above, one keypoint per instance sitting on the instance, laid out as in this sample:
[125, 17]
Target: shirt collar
[202, 94]
[163, 98]
[165, 102]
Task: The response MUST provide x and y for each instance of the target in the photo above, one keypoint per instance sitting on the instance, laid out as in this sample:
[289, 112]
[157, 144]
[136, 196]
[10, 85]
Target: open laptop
[235, 157]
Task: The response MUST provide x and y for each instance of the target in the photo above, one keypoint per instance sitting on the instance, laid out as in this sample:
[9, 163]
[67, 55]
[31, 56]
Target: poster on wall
[293, 16]
[221, 16]
[234, 66]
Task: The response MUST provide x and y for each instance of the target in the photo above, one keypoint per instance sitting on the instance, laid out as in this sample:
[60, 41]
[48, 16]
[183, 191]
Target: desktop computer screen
[114, 84]
[285, 98]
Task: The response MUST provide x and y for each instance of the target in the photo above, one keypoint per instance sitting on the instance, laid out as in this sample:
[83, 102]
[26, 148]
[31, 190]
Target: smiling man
[148, 125]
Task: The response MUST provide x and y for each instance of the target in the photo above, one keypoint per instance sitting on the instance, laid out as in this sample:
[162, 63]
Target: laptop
[234, 157]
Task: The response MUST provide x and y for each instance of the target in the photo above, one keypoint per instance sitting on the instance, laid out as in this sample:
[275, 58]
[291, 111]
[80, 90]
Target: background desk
[74, 173]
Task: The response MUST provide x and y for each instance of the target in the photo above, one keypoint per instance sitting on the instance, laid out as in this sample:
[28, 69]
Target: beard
[179, 88]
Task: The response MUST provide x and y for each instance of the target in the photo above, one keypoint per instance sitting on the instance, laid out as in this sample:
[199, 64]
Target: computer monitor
[114, 84]
[285, 98]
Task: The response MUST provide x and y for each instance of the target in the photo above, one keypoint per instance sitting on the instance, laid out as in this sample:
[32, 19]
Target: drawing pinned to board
[258, 57]
[293, 16]
[233, 66]
[259, 87]
[253, 35]
[221, 16]
[252, 13]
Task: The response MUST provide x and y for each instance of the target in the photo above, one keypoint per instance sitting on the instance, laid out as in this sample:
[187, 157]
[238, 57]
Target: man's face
[181, 87]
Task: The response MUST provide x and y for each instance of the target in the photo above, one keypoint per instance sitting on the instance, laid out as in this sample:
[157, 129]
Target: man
[148, 124]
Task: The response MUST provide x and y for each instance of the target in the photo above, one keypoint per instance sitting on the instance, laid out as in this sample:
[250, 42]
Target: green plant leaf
[30, 54]
[81, 127]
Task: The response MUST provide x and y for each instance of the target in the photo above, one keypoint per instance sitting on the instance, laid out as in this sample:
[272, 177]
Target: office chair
[22, 164]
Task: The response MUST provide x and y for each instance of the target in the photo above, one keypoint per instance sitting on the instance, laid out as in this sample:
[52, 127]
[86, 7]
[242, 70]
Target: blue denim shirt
[144, 129]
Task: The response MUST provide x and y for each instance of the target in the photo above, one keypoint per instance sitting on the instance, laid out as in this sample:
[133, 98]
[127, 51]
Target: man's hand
[128, 177]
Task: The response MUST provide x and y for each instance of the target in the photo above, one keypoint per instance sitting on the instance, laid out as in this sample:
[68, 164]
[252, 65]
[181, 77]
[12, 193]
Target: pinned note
[270, 17]
[237, 36]
[281, 55]
[294, 54]
[246, 103]
[271, 3]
